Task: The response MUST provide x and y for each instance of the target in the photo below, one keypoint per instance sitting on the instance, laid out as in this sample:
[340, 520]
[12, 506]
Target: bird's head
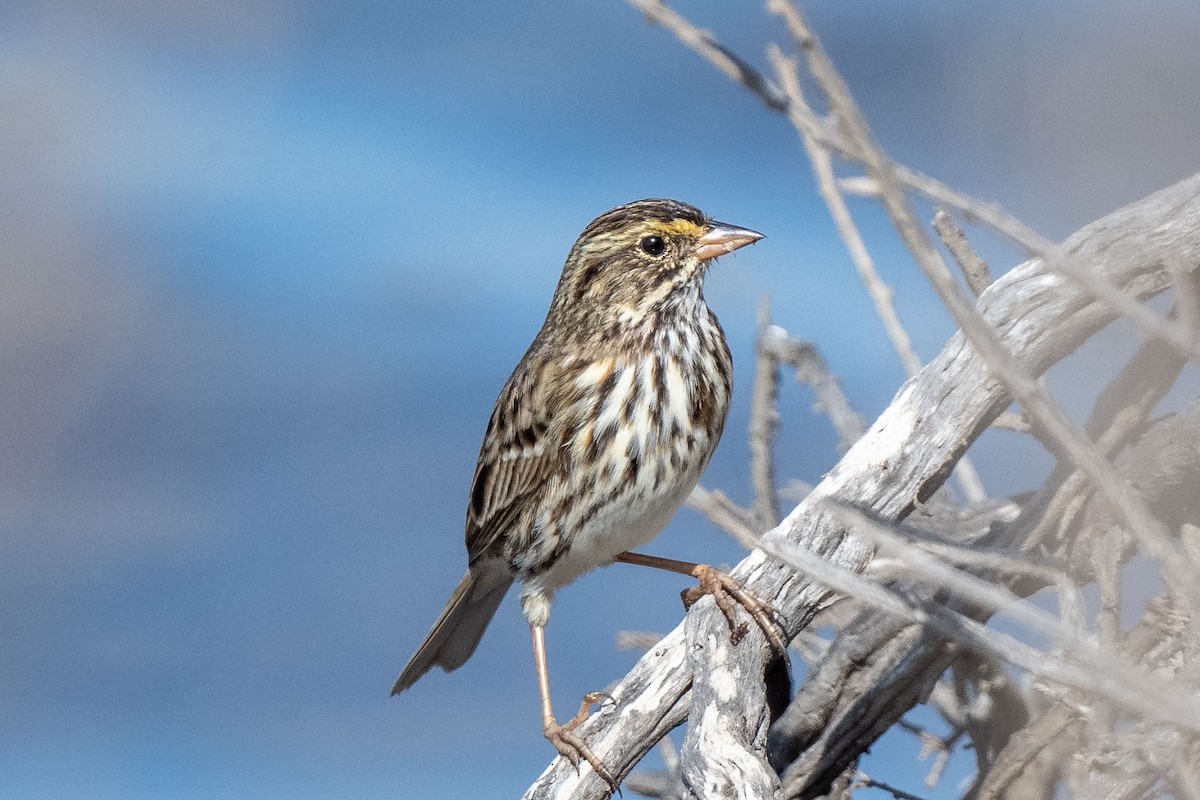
[638, 258]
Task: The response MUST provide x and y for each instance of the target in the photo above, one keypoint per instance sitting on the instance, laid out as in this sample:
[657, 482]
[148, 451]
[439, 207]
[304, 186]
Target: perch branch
[899, 462]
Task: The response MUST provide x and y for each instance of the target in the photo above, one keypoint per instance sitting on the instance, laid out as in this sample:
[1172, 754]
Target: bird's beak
[721, 239]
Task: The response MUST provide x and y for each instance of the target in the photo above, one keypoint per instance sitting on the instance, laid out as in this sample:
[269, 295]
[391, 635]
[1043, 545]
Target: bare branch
[849, 698]
[1118, 415]
[1036, 402]
[974, 268]
[1099, 672]
[705, 45]
[811, 369]
[801, 114]
[988, 215]
[1151, 693]
[1186, 285]
[1175, 335]
[1012, 422]
[916, 548]
[725, 514]
[637, 640]
[723, 753]
[764, 424]
[899, 794]
[1022, 751]
[1186, 779]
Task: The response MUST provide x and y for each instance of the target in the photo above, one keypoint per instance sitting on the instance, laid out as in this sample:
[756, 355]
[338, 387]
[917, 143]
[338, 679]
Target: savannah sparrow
[598, 436]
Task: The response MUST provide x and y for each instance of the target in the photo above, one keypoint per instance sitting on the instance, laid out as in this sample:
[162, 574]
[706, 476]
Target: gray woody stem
[764, 423]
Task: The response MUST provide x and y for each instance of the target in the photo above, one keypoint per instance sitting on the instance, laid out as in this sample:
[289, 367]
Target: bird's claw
[569, 744]
[725, 592]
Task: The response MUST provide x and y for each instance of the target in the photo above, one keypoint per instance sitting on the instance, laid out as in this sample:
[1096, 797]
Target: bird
[598, 436]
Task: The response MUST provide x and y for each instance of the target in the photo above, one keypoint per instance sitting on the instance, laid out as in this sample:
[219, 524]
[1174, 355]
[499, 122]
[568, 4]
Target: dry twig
[702, 42]
[764, 424]
[1024, 388]
[974, 268]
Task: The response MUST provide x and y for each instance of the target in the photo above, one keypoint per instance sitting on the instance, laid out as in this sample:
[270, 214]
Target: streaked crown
[633, 260]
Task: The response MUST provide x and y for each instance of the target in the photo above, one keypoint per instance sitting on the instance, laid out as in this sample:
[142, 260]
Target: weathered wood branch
[1038, 317]
[874, 672]
[851, 699]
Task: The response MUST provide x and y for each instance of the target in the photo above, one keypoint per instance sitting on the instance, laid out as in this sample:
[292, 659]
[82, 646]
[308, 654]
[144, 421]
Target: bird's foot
[725, 592]
[569, 744]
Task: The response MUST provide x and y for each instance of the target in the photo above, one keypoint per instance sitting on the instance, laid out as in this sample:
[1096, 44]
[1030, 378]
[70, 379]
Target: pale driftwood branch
[1186, 777]
[871, 693]
[1011, 421]
[723, 753]
[764, 424]
[704, 44]
[831, 722]
[637, 640]
[901, 460]
[844, 785]
[1150, 324]
[1098, 762]
[924, 566]
[876, 669]
[1014, 761]
[658, 784]
[849, 699]
[913, 547]
[1008, 369]
[1118, 415]
[1186, 285]
[993, 707]
[1100, 673]
[941, 748]
[1132, 685]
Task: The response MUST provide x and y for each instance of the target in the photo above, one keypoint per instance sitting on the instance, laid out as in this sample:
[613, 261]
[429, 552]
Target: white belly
[625, 525]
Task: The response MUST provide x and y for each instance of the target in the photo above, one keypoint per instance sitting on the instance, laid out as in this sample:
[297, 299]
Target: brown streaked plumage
[600, 432]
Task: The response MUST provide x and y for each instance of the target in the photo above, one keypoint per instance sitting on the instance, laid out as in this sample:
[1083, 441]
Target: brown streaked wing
[521, 450]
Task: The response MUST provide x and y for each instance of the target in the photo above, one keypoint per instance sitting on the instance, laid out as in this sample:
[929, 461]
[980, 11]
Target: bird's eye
[653, 245]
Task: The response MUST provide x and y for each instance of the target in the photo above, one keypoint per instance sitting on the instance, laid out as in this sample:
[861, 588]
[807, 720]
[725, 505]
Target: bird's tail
[460, 627]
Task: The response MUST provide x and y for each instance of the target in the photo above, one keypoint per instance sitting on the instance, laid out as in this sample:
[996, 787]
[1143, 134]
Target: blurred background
[264, 267]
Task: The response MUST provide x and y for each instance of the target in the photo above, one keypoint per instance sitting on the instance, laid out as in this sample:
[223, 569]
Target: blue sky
[267, 264]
